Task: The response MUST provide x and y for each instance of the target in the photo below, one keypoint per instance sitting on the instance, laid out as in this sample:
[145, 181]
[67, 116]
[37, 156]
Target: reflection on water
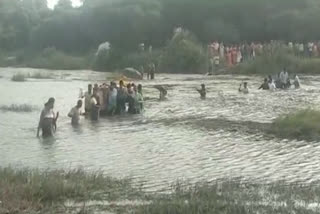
[163, 144]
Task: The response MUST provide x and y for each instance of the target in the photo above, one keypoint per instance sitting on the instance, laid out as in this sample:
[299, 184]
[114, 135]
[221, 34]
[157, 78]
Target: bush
[138, 59]
[304, 125]
[117, 59]
[183, 54]
[18, 78]
[106, 59]
[50, 58]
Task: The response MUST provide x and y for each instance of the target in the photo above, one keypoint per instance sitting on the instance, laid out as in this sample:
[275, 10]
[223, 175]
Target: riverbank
[264, 64]
[78, 191]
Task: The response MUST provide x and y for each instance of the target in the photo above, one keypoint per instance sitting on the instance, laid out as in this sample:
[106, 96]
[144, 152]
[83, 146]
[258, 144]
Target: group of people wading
[113, 99]
[98, 100]
[282, 81]
[116, 99]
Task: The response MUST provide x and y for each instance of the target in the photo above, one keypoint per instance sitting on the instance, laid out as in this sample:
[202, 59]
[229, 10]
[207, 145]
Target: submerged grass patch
[18, 78]
[235, 197]
[18, 108]
[304, 125]
[40, 75]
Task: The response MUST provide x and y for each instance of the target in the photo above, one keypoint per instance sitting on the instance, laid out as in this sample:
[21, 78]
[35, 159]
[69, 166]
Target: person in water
[87, 99]
[265, 85]
[271, 84]
[121, 98]
[296, 82]
[75, 113]
[112, 98]
[244, 89]
[163, 92]
[48, 119]
[152, 71]
[139, 100]
[288, 84]
[131, 100]
[202, 91]
[95, 107]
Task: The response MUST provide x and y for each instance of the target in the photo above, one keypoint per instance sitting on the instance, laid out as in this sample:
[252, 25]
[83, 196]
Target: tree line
[31, 25]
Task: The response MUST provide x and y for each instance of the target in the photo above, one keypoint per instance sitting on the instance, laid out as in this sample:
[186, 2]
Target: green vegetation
[183, 54]
[29, 191]
[60, 191]
[304, 125]
[17, 108]
[50, 58]
[233, 197]
[18, 78]
[274, 63]
[28, 29]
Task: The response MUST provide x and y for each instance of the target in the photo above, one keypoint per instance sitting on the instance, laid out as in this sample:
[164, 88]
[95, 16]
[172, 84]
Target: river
[164, 144]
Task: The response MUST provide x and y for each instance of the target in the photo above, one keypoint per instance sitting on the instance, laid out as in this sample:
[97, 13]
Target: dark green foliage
[183, 54]
[29, 25]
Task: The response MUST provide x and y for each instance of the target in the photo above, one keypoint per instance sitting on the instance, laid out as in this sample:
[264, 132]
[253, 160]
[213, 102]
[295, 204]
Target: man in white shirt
[272, 86]
[75, 113]
[301, 49]
[112, 98]
[283, 78]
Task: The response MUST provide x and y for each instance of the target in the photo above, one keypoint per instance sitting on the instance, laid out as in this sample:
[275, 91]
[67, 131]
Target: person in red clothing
[229, 57]
[234, 55]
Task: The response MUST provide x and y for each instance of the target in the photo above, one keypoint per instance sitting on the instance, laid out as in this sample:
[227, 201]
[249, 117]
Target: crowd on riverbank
[232, 55]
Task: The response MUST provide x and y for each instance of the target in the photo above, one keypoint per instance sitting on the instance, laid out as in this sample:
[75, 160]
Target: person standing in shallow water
[121, 98]
[202, 91]
[95, 107]
[139, 100]
[87, 99]
[48, 119]
[152, 71]
[75, 113]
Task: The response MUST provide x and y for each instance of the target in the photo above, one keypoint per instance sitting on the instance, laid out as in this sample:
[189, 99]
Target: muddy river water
[164, 144]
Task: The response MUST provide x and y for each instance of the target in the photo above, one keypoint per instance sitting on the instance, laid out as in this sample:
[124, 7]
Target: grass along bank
[302, 125]
[62, 191]
[31, 191]
[268, 64]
